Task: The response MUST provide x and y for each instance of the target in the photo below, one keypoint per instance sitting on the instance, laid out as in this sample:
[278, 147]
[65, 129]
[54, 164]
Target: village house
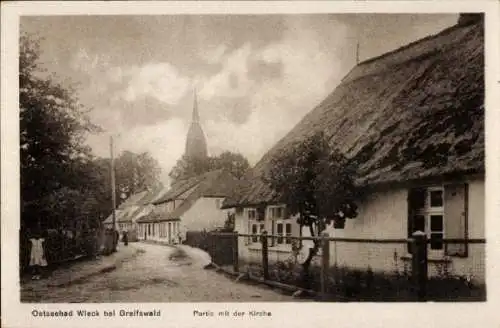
[193, 204]
[413, 121]
[132, 209]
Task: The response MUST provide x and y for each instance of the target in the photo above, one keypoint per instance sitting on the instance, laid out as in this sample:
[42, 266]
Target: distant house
[190, 205]
[413, 120]
[132, 209]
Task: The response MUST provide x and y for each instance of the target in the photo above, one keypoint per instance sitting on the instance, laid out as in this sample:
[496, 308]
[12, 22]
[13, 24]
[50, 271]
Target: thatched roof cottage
[413, 121]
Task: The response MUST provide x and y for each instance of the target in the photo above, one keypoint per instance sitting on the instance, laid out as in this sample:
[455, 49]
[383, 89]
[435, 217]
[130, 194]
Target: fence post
[235, 251]
[265, 261]
[419, 264]
[212, 252]
[325, 263]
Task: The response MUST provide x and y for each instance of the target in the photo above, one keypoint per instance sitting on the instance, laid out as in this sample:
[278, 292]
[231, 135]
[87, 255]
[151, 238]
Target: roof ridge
[443, 32]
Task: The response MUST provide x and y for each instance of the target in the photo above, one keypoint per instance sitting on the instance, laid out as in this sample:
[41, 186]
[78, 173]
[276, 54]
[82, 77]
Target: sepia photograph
[249, 163]
[252, 158]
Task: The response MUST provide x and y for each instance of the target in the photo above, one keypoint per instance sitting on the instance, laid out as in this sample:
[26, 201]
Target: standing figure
[125, 237]
[37, 256]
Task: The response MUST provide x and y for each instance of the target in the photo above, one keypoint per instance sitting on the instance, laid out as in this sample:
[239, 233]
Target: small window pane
[419, 223]
[417, 198]
[436, 198]
[254, 232]
[436, 241]
[279, 229]
[288, 229]
[436, 223]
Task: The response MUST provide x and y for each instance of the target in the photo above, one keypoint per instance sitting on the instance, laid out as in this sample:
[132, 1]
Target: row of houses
[413, 120]
[167, 214]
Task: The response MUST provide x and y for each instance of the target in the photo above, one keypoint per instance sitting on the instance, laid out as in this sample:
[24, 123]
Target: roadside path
[157, 275]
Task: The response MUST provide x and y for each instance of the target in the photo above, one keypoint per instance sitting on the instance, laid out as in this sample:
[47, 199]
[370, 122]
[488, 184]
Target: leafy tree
[52, 129]
[135, 173]
[316, 183]
[234, 163]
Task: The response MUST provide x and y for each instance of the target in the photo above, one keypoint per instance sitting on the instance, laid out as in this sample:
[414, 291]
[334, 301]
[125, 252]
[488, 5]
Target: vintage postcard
[198, 164]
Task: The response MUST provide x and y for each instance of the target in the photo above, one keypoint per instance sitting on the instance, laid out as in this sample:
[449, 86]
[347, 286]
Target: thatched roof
[413, 113]
[130, 208]
[217, 183]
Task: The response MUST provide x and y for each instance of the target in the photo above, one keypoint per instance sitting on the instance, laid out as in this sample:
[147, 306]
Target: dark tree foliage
[233, 163]
[135, 173]
[316, 183]
[62, 184]
[52, 128]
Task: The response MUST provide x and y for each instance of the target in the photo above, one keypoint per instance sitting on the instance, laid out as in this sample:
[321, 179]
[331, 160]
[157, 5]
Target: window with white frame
[427, 215]
[256, 228]
[283, 231]
[276, 212]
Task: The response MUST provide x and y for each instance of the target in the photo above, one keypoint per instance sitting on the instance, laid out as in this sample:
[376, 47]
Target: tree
[135, 173]
[52, 129]
[234, 163]
[316, 183]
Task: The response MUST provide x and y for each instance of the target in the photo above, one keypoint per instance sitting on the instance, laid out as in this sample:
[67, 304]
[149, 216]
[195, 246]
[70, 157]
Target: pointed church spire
[357, 52]
[196, 116]
[196, 145]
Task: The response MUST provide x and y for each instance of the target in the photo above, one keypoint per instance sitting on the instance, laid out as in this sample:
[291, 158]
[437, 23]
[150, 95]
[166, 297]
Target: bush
[366, 285]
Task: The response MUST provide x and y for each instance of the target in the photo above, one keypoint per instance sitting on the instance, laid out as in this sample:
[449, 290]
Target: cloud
[158, 80]
[261, 93]
[257, 96]
[164, 140]
[232, 80]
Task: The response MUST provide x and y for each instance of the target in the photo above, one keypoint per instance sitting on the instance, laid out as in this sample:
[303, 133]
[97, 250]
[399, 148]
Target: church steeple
[196, 145]
[196, 116]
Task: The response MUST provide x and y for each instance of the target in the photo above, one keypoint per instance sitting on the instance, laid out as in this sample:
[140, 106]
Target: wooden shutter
[415, 201]
[455, 218]
[249, 228]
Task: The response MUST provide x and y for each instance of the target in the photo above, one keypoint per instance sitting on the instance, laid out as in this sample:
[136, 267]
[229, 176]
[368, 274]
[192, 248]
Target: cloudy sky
[256, 76]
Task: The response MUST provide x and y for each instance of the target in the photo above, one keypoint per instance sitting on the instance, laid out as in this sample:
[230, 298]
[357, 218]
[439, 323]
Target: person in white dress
[37, 256]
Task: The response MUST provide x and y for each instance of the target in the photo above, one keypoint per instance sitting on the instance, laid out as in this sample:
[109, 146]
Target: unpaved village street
[152, 277]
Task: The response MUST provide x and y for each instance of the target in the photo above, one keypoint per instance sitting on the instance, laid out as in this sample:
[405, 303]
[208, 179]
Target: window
[256, 229]
[427, 208]
[149, 229]
[252, 214]
[276, 212]
[283, 230]
[254, 232]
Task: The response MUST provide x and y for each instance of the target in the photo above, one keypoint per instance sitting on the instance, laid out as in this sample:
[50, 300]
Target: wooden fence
[222, 247]
[416, 286]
